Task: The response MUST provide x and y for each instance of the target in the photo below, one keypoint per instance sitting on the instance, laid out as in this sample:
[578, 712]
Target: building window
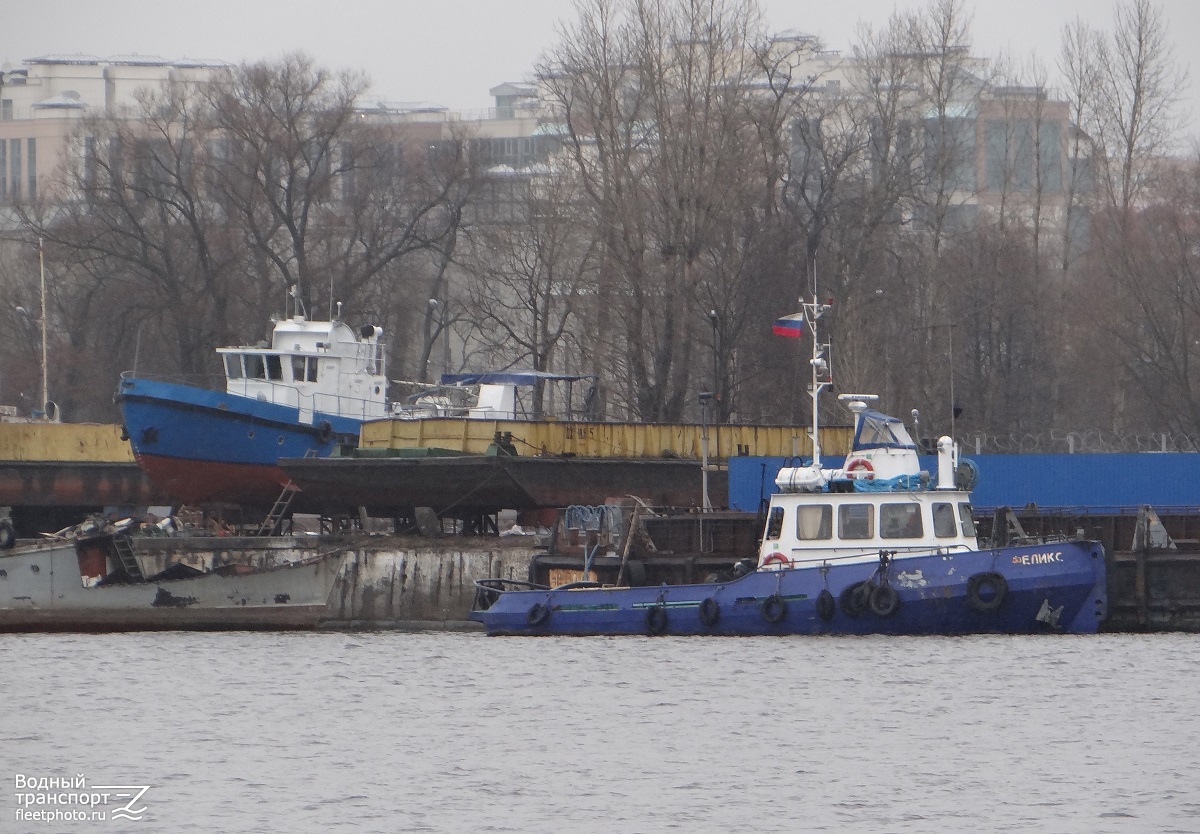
[14, 168]
[31, 166]
[3, 172]
[6, 110]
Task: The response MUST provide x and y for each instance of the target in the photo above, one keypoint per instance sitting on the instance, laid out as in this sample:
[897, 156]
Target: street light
[442, 311]
[706, 398]
[45, 374]
[715, 321]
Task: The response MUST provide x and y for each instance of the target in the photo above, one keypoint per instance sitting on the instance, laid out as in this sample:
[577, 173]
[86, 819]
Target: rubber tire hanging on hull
[884, 601]
[8, 535]
[537, 614]
[325, 431]
[856, 599]
[826, 605]
[710, 612]
[656, 619]
[774, 608]
[989, 579]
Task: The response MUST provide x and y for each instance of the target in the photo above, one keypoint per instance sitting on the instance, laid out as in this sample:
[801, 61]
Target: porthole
[35, 569]
[279, 440]
[3, 574]
[250, 434]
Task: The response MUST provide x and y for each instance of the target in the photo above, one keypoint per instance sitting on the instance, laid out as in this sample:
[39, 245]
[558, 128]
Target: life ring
[990, 583]
[656, 619]
[325, 431]
[776, 558]
[537, 614]
[884, 600]
[774, 608]
[826, 605]
[710, 611]
[860, 464]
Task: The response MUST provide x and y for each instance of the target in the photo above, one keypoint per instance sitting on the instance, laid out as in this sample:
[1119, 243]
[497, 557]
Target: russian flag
[790, 326]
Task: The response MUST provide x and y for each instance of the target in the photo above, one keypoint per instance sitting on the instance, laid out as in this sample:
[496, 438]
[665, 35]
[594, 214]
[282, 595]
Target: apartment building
[42, 100]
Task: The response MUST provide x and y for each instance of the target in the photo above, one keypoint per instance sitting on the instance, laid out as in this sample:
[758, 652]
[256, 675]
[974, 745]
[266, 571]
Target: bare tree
[527, 276]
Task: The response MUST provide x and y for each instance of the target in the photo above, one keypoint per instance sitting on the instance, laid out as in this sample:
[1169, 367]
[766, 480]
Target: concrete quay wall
[384, 582]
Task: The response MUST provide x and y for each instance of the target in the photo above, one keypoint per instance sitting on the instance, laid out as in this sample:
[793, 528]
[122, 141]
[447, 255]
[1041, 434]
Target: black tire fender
[710, 611]
[884, 601]
[774, 608]
[978, 583]
[850, 602]
[656, 619]
[826, 605]
[538, 614]
[325, 431]
[8, 535]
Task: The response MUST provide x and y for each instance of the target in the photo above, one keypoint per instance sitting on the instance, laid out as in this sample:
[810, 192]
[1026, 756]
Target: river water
[454, 732]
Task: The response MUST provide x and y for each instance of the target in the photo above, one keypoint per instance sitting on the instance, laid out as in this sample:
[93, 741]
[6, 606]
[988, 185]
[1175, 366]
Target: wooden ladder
[124, 550]
[272, 522]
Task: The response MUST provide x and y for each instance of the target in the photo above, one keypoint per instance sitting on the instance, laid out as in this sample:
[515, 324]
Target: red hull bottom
[202, 482]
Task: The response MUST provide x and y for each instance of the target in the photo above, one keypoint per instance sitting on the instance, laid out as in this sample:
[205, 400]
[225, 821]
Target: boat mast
[822, 375]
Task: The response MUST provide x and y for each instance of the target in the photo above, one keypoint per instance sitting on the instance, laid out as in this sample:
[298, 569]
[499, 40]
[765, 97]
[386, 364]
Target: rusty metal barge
[95, 580]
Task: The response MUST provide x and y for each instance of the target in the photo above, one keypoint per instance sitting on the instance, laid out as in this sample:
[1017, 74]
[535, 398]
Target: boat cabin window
[233, 365]
[856, 521]
[255, 368]
[775, 523]
[274, 368]
[967, 519]
[304, 368]
[900, 521]
[814, 522]
[945, 525]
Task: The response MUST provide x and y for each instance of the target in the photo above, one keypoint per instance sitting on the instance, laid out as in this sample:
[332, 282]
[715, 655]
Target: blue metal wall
[1097, 482]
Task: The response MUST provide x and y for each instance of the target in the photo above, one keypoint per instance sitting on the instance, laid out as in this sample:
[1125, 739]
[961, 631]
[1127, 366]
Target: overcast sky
[452, 51]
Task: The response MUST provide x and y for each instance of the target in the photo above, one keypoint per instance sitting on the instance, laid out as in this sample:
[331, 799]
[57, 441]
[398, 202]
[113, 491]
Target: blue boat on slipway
[299, 395]
[875, 547]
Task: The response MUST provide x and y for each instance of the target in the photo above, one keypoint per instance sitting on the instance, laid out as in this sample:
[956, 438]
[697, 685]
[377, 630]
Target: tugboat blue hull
[203, 446]
[1046, 588]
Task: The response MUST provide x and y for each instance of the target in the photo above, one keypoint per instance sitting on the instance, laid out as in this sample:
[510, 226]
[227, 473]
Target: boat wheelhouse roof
[876, 430]
[511, 378]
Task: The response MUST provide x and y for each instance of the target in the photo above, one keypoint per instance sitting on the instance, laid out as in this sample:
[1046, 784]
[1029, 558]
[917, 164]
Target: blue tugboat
[874, 547]
[299, 396]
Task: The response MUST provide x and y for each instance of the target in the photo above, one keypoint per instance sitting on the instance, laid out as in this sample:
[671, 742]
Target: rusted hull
[41, 589]
[486, 484]
[76, 483]
[206, 482]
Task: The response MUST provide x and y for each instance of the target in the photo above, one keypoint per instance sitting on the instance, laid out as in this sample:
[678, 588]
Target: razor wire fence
[1090, 441]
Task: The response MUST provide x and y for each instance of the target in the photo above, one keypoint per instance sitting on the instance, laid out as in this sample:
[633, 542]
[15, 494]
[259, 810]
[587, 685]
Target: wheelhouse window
[856, 521]
[233, 365]
[814, 522]
[900, 521]
[274, 368]
[304, 368]
[255, 367]
[775, 523]
[968, 520]
[945, 524]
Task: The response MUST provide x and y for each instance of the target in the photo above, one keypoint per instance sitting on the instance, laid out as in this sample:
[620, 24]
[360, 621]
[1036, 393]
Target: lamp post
[706, 398]
[45, 372]
[442, 311]
[715, 321]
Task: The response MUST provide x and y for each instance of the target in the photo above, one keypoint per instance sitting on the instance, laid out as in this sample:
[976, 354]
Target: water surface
[440, 732]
